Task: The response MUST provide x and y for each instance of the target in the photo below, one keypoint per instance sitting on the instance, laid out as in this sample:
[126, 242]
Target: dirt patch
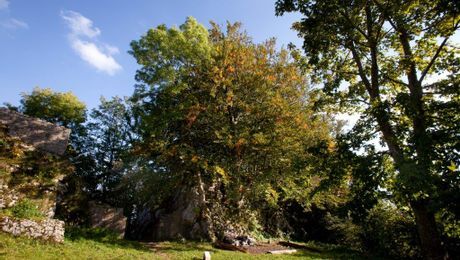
[260, 248]
[156, 248]
[263, 248]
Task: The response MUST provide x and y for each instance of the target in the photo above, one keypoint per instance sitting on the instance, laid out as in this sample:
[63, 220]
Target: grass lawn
[102, 247]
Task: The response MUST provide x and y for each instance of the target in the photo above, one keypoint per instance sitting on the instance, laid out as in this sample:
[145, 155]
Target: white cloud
[90, 53]
[13, 24]
[112, 50]
[98, 55]
[4, 4]
[80, 25]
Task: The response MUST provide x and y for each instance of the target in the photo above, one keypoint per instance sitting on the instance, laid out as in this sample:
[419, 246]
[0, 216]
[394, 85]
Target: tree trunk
[430, 240]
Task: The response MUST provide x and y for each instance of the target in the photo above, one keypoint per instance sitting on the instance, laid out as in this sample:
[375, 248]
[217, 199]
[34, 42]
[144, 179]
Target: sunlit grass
[103, 247]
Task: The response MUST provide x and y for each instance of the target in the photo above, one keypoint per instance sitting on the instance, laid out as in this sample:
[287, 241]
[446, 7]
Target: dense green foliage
[100, 160]
[376, 58]
[225, 114]
[56, 107]
[110, 136]
[241, 136]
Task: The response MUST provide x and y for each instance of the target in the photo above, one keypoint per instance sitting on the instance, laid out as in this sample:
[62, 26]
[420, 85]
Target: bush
[26, 209]
[390, 231]
[345, 232]
[386, 231]
[450, 231]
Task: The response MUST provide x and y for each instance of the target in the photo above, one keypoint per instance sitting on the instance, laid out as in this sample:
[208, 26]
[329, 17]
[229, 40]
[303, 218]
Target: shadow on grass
[104, 236]
[328, 251]
[175, 246]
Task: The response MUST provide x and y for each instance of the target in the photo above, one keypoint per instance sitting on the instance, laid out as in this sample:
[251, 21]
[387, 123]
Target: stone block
[105, 216]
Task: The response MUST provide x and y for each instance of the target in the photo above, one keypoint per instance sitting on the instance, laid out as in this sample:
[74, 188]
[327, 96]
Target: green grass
[100, 246]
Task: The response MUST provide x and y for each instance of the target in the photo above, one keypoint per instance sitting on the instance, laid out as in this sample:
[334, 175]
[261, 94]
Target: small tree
[57, 107]
[64, 109]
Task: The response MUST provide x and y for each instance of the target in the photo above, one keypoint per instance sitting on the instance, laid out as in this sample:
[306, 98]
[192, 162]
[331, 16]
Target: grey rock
[35, 132]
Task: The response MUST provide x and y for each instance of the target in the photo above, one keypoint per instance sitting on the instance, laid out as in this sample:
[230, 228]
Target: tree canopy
[56, 107]
[392, 61]
[223, 113]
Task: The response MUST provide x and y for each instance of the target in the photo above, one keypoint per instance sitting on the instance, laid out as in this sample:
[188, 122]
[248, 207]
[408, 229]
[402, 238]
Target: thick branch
[397, 81]
[436, 55]
[358, 62]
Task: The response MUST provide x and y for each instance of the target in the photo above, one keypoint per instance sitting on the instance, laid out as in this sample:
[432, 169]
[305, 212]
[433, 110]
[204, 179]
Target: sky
[81, 46]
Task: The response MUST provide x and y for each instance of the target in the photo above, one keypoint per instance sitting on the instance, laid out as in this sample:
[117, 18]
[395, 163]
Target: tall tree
[110, 137]
[386, 52]
[223, 121]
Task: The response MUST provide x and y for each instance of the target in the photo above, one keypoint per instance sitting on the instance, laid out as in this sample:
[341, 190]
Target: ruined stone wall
[36, 132]
[48, 229]
[27, 173]
[8, 197]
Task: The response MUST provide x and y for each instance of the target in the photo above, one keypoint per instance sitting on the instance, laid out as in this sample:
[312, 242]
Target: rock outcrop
[35, 132]
[30, 170]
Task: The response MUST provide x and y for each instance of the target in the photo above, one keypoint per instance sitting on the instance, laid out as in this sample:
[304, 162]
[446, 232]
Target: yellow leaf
[219, 170]
[195, 158]
[452, 166]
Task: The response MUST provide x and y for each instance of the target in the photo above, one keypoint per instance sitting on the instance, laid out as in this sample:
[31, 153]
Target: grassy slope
[101, 248]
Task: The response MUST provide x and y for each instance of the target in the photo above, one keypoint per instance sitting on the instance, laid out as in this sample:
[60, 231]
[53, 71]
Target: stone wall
[36, 132]
[28, 173]
[105, 216]
[8, 197]
[48, 229]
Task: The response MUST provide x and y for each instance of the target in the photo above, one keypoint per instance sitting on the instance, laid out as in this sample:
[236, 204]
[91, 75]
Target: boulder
[38, 133]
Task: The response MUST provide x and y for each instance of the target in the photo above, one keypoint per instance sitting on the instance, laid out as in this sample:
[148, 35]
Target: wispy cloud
[10, 23]
[80, 25]
[13, 24]
[4, 4]
[83, 39]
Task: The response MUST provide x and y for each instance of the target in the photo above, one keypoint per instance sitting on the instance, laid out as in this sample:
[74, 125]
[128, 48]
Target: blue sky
[81, 46]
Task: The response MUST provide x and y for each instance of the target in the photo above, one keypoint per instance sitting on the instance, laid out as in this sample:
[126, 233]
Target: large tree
[384, 59]
[223, 122]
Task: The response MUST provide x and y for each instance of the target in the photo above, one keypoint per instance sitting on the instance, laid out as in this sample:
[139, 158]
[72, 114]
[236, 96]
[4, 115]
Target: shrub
[391, 231]
[26, 209]
[386, 230]
[344, 231]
